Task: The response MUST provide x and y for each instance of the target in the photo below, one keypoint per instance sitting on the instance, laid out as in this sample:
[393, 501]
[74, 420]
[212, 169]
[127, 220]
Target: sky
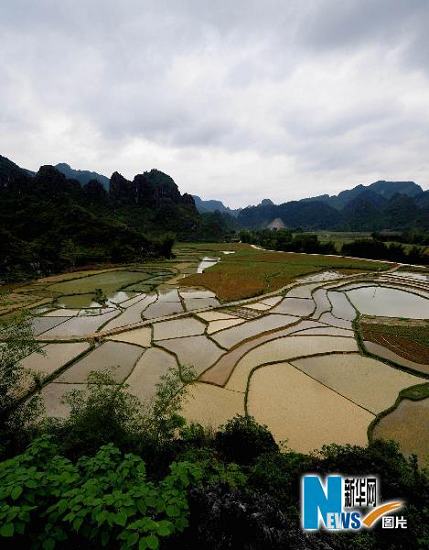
[237, 100]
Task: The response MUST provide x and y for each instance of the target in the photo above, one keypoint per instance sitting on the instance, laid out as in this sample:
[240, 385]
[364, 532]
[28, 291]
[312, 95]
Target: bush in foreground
[102, 500]
[242, 440]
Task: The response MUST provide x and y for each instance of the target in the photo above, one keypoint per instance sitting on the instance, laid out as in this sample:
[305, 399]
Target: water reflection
[389, 302]
[206, 262]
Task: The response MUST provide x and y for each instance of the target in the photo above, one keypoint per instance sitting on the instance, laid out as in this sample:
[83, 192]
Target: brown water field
[318, 348]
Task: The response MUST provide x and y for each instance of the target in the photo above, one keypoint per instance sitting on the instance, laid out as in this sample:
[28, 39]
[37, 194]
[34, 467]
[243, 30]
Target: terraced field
[300, 355]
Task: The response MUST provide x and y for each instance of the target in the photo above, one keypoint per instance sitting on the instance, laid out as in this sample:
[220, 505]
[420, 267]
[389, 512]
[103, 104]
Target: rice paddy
[303, 412]
[313, 346]
[408, 424]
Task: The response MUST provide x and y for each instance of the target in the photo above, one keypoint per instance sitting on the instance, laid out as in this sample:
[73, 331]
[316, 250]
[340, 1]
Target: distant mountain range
[394, 205]
[382, 189]
[82, 176]
[388, 205]
[204, 206]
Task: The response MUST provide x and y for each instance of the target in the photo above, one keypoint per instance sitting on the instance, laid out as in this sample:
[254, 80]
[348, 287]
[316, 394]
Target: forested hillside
[49, 223]
[392, 205]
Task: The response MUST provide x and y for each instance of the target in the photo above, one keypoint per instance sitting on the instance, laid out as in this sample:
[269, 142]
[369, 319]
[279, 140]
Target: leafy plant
[102, 413]
[105, 412]
[100, 297]
[105, 499]
[163, 418]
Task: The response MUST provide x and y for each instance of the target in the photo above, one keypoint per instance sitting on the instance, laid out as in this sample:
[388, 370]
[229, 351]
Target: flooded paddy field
[408, 424]
[315, 356]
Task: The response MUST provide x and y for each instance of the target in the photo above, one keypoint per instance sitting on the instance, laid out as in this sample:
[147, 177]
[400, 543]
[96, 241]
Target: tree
[16, 416]
[106, 413]
[242, 439]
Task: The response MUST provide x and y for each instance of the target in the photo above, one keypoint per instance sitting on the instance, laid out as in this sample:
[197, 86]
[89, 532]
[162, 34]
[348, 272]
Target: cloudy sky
[235, 99]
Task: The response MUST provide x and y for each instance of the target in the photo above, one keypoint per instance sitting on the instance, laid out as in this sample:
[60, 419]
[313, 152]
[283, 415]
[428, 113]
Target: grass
[250, 272]
[415, 329]
[420, 269]
[340, 237]
[415, 393]
[408, 338]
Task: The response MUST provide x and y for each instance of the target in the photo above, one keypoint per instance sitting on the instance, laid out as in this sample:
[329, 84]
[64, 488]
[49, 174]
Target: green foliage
[103, 500]
[277, 473]
[49, 223]
[216, 226]
[286, 240]
[195, 435]
[18, 342]
[242, 440]
[105, 412]
[163, 417]
[100, 297]
[214, 471]
[102, 413]
[16, 417]
[378, 250]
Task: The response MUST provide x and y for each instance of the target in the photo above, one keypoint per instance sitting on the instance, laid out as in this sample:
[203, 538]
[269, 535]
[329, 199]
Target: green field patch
[407, 338]
[109, 282]
[250, 271]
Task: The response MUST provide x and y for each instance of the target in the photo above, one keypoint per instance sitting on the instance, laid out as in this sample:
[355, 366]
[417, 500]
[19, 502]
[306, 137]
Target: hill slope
[49, 223]
[393, 205]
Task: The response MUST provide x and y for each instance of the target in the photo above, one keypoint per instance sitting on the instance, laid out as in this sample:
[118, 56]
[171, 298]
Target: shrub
[242, 440]
[103, 500]
[106, 413]
[18, 418]
[103, 413]
[196, 436]
[279, 474]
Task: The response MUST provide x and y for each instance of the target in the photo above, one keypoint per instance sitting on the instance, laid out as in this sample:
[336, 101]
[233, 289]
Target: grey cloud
[308, 91]
[388, 25]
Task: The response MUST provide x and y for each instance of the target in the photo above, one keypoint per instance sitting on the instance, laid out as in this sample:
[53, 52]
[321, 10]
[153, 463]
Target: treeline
[289, 241]
[286, 240]
[217, 226]
[379, 250]
[121, 474]
[413, 236]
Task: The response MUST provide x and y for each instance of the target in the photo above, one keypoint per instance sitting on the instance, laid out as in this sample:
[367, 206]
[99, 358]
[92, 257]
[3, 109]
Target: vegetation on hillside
[379, 206]
[374, 247]
[286, 240]
[49, 223]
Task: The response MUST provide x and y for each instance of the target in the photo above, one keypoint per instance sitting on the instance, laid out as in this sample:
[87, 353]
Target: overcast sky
[236, 99]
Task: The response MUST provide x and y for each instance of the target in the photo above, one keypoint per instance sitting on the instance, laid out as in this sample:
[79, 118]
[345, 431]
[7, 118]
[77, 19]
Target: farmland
[258, 327]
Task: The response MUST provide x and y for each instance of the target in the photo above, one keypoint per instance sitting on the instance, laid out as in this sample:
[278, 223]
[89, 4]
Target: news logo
[339, 503]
